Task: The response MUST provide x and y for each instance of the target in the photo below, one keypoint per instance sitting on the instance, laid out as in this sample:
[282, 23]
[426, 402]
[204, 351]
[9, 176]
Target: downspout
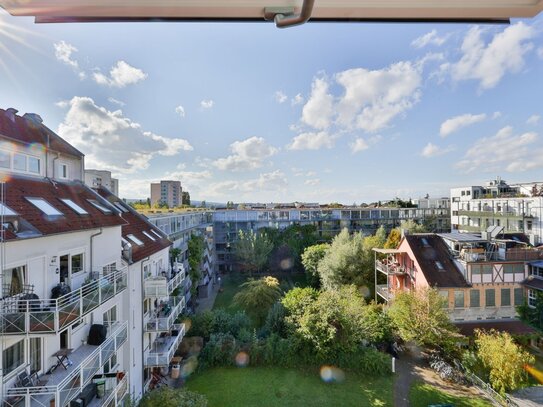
[142, 327]
[91, 246]
[54, 167]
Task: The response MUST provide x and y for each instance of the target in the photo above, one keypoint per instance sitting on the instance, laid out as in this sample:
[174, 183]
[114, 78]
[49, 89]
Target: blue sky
[320, 112]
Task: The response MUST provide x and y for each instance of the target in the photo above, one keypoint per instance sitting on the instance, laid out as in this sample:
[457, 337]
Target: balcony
[491, 214]
[64, 385]
[20, 316]
[162, 286]
[384, 292]
[164, 318]
[164, 347]
[390, 268]
[116, 391]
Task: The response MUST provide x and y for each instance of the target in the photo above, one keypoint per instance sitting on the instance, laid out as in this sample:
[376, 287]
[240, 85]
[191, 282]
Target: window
[135, 240]
[110, 365]
[149, 236]
[99, 206]
[459, 299]
[34, 165]
[78, 209]
[5, 159]
[445, 295]
[44, 206]
[532, 298]
[14, 281]
[120, 207]
[156, 233]
[13, 357]
[63, 170]
[490, 297]
[110, 315]
[519, 296]
[487, 268]
[506, 297]
[474, 298]
[19, 162]
[35, 354]
[439, 266]
[109, 268]
[5, 211]
[77, 263]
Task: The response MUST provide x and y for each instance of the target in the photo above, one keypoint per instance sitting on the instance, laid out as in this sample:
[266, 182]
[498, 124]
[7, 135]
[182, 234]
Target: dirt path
[412, 367]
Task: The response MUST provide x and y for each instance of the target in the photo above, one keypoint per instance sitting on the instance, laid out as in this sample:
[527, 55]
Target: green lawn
[423, 395]
[277, 387]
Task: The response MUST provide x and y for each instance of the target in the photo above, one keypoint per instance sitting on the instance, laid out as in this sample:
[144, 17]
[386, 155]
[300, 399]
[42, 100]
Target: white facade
[100, 178]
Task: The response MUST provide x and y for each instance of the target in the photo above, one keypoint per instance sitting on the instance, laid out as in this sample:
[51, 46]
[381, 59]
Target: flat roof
[461, 237]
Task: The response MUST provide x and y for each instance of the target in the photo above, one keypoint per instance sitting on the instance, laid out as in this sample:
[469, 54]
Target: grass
[423, 395]
[277, 387]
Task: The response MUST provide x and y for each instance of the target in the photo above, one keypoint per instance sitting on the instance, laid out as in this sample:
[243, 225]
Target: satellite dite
[283, 12]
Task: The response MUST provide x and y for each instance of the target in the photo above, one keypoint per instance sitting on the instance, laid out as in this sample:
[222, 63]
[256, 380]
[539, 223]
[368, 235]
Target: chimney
[10, 113]
[33, 117]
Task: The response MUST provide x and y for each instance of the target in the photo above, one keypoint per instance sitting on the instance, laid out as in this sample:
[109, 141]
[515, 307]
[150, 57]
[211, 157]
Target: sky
[323, 112]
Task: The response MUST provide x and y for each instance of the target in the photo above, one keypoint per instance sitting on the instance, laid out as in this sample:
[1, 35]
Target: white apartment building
[78, 314]
[516, 208]
[101, 178]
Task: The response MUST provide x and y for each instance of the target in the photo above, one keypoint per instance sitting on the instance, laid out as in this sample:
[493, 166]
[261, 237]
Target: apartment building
[86, 307]
[482, 279]
[518, 208]
[328, 221]
[169, 193]
[101, 178]
[179, 226]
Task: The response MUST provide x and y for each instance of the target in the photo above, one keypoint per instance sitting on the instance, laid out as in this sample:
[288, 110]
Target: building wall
[97, 178]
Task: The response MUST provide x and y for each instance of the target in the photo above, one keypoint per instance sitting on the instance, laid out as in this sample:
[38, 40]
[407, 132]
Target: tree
[257, 297]
[252, 250]
[195, 254]
[410, 226]
[376, 324]
[311, 258]
[169, 397]
[421, 316]
[393, 239]
[504, 359]
[295, 302]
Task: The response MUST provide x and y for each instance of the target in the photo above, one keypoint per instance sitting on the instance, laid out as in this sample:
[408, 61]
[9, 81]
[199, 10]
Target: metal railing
[393, 268]
[163, 349]
[77, 375]
[116, 391]
[384, 291]
[49, 316]
[162, 286]
[165, 323]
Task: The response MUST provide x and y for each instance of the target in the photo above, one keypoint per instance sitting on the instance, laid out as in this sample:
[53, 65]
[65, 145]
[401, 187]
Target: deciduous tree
[311, 258]
[257, 297]
[252, 250]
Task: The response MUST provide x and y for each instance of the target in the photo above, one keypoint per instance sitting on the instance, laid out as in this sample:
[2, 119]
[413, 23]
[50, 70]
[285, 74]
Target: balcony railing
[393, 268]
[491, 214]
[64, 385]
[116, 391]
[162, 286]
[163, 349]
[384, 292]
[161, 322]
[20, 316]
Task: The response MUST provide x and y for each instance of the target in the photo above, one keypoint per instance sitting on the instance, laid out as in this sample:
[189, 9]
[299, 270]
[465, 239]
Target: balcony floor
[77, 357]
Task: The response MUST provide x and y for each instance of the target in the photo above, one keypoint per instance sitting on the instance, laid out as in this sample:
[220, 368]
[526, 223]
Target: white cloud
[207, 104]
[456, 123]
[488, 63]
[319, 109]
[359, 145]
[430, 38]
[312, 182]
[112, 141]
[297, 100]
[503, 151]
[121, 75]
[431, 150]
[63, 53]
[247, 154]
[180, 110]
[62, 104]
[116, 101]
[280, 97]
[533, 119]
[312, 141]
[496, 115]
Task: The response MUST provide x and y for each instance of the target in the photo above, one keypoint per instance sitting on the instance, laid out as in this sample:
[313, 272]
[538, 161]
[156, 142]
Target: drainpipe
[91, 247]
[142, 326]
[54, 168]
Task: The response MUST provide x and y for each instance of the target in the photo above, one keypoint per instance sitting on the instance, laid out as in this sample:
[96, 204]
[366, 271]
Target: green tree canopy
[393, 239]
[257, 297]
[411, 226]
[252, 250]
[169, 397]
[504, 359]
[195, 254]
[311, 258]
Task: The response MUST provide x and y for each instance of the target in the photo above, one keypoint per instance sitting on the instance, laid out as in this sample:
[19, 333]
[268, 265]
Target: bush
[219, 321]
[221, 350]
[275, 321]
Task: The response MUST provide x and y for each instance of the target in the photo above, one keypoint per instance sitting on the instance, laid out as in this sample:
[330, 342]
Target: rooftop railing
[64, 385]
[163, 349]
[48, 316]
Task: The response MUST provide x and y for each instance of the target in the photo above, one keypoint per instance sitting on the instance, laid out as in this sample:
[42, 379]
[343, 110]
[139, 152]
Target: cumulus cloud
[297, 100]
[362, 144]
[180, 110]
[121, 75]
[63, 53]
[207, 104]
[533, 119]
[312, 182]
[319, 109]
[430, 38]
[280, 97]
[247, 154]
[112, 141]
[312, 141]
[456, 123]
[489, 62]
[431, 150]
[510, 152]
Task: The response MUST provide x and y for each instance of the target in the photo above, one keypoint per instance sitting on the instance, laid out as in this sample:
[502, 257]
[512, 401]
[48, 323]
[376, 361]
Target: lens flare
[332, 374]
[537, 374]
[242, 359]
[189, 367]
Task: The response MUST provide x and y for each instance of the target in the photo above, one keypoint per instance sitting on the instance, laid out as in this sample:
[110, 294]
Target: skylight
[439, 266]
[135, 240]
[5, 211]
[119, 206]
[149, 236]
[99, 206]
[78, 209]
[44, 206]
[425, 242]
[156, 233]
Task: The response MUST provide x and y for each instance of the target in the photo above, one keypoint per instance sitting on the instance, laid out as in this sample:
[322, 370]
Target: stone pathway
[205, 304]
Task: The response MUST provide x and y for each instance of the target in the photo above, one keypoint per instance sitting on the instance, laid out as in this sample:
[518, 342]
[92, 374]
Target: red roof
[28, 131]
[135, 225]
[32, 222]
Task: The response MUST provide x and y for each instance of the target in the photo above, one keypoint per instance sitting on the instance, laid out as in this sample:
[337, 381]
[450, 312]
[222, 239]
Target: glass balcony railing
[163, 319]
[116, 389]
[48, 316]
[163, 349]
[162, 286]
[64, 385]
